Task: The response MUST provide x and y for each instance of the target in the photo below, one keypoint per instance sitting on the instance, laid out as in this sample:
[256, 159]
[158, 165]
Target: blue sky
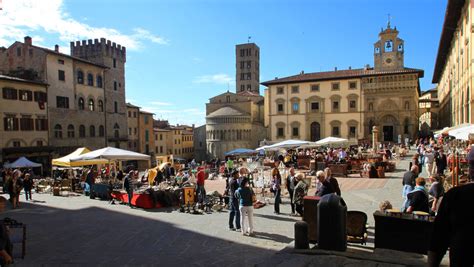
[181, 53]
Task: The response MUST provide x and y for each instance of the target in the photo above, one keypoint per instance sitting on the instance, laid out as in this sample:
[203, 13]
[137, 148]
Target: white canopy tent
[331, 141]
[462, 133]
[111, 153]
[284, 144]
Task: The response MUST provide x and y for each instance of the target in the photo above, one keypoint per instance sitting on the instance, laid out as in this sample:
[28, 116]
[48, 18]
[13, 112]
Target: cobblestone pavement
[78, 231]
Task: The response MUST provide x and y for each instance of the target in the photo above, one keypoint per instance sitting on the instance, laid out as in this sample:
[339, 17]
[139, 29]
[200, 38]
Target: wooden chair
[65, 185]
[356, 227]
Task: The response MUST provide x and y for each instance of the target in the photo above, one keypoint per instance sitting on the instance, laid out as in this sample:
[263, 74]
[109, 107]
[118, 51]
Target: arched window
[407, 105]
[101, 131]
[91, 104]
[70, 131]
[99, 81]
[92, 131]
[82, 131]
[116, 130]
[101, 106]
[58, 131]
[80, 103]
[80, 77]
[371, 106]
[90, 79]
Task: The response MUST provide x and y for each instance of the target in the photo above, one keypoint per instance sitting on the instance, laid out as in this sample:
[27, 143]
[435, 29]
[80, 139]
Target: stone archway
[389, 128]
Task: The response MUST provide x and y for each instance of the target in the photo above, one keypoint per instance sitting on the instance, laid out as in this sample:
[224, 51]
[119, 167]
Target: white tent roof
[330, 140]
[463, 132]
[284, 144]
[111, 153]
[24, 163]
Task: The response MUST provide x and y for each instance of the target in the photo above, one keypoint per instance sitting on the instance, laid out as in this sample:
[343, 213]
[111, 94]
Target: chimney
[56, 48]
[193, 125]
[302, 72]
[28, 40]
[350, 67]
[276, 78]
[335, 68]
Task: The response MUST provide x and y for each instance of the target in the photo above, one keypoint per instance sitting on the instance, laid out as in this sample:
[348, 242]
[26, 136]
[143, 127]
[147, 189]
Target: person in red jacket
[200, 191]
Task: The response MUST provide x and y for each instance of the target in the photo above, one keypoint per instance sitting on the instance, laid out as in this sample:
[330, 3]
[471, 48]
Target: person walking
[234, 213]
[301, 190]
[14, 189]
[245, 195]
[408, 183]
[200, 191]
[332, 180]
[27, 186]
[324, 187]
[441, 162]
[429, 160]
[290, 186]
[276, 188]
[128, 185]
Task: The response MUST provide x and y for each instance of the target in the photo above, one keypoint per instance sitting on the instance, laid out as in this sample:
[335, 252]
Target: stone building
[145, 129]
[348, 103]
[113, 57]
[24, 113]
[234, 121]
[76, 97]
[200, 151]
[162, 137]
[182, 145]
[133, 123]
[247, 65]
[453, 70]
[428, 108]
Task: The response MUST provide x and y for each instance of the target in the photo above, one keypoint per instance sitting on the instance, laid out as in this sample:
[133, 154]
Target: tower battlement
[98, 48]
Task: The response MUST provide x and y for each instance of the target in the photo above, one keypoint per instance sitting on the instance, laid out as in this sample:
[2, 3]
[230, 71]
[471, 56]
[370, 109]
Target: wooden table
[338, 169]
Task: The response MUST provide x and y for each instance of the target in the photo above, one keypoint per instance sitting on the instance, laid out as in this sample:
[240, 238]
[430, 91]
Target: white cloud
[21, 17]
[216, 78]
[158, 103]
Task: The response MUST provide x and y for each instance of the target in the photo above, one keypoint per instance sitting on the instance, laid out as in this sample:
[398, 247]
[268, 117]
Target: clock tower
[388, 50]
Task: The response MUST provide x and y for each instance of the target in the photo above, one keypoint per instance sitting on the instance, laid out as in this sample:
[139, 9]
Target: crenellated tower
[113, 56]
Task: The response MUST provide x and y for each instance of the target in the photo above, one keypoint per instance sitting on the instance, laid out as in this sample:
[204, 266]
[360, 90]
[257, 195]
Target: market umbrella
[111, 153]
[287, 144]
[331, 141]
[66, 160]
[241, 151]
[463, 132]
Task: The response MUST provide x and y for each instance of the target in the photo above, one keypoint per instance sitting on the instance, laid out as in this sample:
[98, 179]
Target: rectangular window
[18, 51]
[352, 104]
[352, 85]
[26, 95]
[335, 86]
[296, 131]
[129, 114]
[16, 144]
[27, 124]
[10, 123]
[352, 131]
[242, 87]
[146, 119]
[41, 124]
[315, 88]
[147, 136]
[39, 143]
[135, 131]
[242, 76]
[30, 51]
[241, 52]
[115, 63]
[242, 64]
[295, 89]
[295, 107]
[279, 90]
[115, 85]
[280, 132]
[315, 106]
[335, 105]
[249, 87]
[335, 131]
[62, 102]
[61, 75]
[161, 137]
[115, 107]
[129, 131]
[134, 114]
[10, 93]
[60, 61]
[161, 149]
[249, 76]
[280, 108]
[41, 97]
[249, 64]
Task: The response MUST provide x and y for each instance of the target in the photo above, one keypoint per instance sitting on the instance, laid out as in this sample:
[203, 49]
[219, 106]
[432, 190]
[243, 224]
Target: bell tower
[389, 50]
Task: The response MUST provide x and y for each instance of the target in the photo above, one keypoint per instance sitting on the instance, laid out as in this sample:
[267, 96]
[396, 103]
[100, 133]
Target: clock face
[388, 60]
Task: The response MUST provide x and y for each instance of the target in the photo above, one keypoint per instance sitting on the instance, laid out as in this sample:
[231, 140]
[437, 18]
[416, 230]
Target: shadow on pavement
[274, 237]
[281, 217]
[99, 236]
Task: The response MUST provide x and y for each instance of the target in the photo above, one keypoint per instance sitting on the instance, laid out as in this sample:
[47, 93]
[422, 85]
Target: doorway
[315, 131]
[388, 133]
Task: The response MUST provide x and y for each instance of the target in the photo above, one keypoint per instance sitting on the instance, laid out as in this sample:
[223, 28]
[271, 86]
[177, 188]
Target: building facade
[145, 129]
[113, 57]
[162, 137]
[247, 75]
[453, 69]
[428, 109]
[234, 121]
[133, 123]
[348, 103]
[200, 151]
[24, 113]
[76, 94]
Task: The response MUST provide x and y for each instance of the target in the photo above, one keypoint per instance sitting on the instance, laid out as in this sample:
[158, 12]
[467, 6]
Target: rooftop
[339, 74]
[129, 105]
[225, 112]
[15, 79]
